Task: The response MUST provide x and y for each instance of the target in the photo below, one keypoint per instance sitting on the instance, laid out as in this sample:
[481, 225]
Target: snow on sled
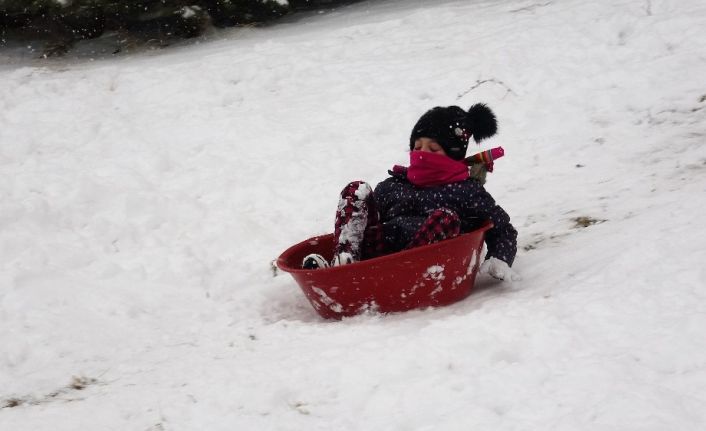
[432, 275]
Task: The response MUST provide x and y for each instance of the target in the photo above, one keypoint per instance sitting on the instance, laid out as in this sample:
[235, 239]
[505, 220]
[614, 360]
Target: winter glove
[496, 268]
[478, 171]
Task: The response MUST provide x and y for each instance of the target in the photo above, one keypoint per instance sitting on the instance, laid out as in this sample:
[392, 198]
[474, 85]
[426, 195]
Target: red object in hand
[497, 152]
[431, 275]
[486, 157]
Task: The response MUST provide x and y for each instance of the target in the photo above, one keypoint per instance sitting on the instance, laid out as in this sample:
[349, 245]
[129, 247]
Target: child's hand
[496, 268]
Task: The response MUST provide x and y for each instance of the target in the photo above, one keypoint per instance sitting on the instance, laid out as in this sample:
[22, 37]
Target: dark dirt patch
[586, 221]
[78, 383]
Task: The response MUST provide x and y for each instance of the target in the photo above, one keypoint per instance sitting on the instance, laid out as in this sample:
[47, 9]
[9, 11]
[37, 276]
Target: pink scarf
[429, 169]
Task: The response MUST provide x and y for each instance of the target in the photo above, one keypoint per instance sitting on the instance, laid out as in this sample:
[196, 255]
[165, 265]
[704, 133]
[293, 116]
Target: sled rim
[281, 260]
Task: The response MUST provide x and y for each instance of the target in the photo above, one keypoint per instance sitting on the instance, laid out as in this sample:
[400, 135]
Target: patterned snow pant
[359, 232]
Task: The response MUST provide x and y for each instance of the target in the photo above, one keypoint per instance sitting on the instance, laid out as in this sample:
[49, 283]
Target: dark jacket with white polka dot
[403, 208]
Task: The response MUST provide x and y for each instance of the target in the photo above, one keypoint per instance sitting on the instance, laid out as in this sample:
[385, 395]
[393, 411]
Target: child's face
[429, 145]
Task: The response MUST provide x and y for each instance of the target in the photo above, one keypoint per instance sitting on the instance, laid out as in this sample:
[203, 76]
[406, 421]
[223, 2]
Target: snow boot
[314, 261]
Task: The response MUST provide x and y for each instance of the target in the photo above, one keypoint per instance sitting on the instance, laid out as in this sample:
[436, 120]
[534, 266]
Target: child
[433, 199]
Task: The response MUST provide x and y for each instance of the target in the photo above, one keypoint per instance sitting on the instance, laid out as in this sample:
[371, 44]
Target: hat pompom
[481, 120]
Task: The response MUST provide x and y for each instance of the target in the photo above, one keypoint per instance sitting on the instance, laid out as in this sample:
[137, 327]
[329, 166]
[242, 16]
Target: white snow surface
[143, 198]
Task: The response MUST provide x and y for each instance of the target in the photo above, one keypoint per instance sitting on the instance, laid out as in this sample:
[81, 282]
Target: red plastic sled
[431, 275]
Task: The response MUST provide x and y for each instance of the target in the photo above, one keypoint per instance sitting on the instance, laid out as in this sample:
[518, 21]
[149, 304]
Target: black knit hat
[452, 127]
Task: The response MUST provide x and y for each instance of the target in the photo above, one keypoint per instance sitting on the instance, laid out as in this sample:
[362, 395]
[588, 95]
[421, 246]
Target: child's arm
[502, 238]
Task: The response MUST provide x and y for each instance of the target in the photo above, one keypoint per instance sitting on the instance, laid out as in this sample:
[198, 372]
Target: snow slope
[142, 199]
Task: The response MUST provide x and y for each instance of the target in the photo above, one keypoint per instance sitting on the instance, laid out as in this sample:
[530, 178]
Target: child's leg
[440, 225]
[357, 233]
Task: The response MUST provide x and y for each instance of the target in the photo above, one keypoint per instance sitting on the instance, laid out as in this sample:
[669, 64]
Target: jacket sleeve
[502, 238]
[399, 226]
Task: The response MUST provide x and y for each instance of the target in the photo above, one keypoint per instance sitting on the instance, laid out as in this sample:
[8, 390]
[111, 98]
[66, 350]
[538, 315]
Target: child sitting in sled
[439, 196]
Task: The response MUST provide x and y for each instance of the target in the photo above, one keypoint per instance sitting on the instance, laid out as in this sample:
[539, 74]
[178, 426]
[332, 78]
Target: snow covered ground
[143, 198]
